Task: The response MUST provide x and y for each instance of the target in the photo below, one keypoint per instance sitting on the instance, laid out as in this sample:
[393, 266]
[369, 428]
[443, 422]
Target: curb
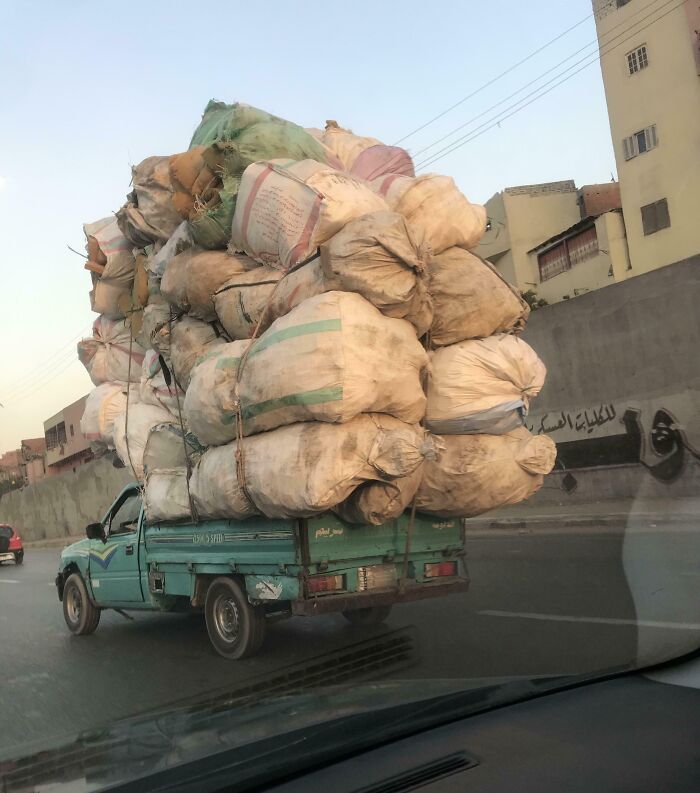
[52, 542]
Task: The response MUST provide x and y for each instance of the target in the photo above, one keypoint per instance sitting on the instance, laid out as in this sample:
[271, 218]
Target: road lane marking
[8, 581]
[529, 615]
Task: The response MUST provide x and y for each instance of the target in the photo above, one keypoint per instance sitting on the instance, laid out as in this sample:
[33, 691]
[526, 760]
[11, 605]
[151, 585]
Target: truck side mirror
[95, 531]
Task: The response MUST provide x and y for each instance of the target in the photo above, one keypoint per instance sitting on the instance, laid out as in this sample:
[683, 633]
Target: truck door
[114, 565]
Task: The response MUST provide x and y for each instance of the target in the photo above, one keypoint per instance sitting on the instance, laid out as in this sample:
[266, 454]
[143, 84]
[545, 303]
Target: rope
[188, 463]
[128, 394]
[240, 453]
[427, 344]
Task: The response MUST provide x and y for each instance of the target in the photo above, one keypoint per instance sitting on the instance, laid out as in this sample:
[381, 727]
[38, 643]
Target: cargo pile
[291, 322]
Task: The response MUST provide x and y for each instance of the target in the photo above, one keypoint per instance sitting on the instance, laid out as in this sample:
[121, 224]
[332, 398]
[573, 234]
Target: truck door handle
[129, 549]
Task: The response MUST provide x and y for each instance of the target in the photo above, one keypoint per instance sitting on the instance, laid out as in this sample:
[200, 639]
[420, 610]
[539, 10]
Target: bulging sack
[332, 357]
[106, 355]
[138, 422]
[475, 473]
[187, 340]
[102, 407]
[376, 256]
[308, 468]
[107, 296]
[482, 385]
[366, 158]
[109, 248]
[166, 456]
[434, 205]
[192, 277]
[155, 389]
[471, 299]
[286, 209]
[149, 214]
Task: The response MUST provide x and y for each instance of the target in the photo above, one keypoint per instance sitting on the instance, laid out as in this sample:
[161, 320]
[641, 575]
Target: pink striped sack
[287, 208]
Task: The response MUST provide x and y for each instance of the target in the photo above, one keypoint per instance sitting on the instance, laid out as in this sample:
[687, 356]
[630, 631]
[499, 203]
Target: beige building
[556, 240]
[66, 448]
[652, 87]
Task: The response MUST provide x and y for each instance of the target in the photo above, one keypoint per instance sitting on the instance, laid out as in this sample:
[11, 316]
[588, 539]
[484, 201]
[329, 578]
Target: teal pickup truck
[243, 572]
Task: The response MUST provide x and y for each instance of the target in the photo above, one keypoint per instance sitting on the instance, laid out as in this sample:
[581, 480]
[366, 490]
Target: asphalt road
[557, 602]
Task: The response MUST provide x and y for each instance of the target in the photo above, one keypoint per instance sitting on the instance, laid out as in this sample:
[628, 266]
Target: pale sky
[89, 88]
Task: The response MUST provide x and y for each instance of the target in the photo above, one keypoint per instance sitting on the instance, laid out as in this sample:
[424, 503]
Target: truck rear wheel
[81, 615]
[369, 616]
[235, 627]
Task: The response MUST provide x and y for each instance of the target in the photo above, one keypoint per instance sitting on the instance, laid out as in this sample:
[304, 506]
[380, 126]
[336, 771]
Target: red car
[11, 548]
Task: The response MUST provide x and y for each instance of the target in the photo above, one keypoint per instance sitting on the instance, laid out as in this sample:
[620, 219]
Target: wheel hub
[74, 604]
[226, 618]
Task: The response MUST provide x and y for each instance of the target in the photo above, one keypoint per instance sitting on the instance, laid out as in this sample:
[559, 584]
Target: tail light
[325, 583]
[439, 569]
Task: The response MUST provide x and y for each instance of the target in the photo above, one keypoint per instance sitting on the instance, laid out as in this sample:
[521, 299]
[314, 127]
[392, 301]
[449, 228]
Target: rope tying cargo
[188, 462]
[128, 393]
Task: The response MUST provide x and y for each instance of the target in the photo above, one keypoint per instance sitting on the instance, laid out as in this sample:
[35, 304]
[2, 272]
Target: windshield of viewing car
[387, 322]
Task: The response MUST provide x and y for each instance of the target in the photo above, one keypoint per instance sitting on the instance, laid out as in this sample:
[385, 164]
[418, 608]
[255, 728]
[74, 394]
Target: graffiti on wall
[607, 435]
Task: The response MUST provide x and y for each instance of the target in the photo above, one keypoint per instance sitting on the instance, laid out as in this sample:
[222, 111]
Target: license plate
[376, 576]
[7, 557]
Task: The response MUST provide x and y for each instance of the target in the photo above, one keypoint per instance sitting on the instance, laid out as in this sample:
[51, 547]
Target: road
[548, 602]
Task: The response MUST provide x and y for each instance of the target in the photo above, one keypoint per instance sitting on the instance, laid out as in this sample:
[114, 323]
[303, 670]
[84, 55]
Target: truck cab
[242, 572]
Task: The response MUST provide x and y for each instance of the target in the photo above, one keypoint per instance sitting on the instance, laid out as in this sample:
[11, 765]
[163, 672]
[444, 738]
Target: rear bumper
[363, 600]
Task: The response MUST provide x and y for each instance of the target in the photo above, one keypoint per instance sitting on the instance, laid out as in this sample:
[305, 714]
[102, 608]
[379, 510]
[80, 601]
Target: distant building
[33, 452]
[66, 448]
[11, 469]
[556, 240]
[652, 87]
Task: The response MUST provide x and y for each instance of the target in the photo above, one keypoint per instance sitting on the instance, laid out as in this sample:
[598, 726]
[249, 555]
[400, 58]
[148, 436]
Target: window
[567, 253]
[126, 516]
[72, 431]
[637, 59]
[655, 217]
[56, 436]
[639, 142]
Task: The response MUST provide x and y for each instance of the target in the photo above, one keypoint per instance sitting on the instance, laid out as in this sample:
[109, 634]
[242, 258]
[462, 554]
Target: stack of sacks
[307, 285]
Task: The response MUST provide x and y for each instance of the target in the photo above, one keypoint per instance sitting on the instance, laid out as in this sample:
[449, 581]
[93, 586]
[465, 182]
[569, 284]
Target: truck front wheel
[81, 615]
[369, 616]
[235, 627]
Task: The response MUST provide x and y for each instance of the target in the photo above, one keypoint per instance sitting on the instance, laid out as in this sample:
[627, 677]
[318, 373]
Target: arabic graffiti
[585, 421]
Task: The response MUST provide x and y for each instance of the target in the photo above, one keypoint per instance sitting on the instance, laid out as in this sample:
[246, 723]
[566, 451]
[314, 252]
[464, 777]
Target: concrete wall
[665, 93]
[63, 505]
[615, 358]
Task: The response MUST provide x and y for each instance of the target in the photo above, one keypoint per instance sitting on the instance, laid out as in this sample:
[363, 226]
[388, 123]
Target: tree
[530, 297]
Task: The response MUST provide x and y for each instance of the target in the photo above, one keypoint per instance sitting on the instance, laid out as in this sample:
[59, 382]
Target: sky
[88, 89]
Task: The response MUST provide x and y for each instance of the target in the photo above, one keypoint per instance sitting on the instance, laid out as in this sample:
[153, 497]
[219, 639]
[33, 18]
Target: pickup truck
[241, 573]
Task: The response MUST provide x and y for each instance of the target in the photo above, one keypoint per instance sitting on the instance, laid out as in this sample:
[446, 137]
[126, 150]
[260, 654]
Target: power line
[496, 120]
[30, 389]
[493, 80]
[546, 72]
[58, 351]
[34, 377]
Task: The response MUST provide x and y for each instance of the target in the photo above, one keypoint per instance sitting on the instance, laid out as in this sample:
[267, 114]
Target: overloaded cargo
[292, 322]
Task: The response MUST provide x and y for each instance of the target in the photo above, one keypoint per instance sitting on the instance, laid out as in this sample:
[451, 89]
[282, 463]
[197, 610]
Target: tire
[369, 616]
[81, 615]
[236, 628]
[19, 557]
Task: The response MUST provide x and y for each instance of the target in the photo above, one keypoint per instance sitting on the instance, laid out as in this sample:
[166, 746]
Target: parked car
[11, 548]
